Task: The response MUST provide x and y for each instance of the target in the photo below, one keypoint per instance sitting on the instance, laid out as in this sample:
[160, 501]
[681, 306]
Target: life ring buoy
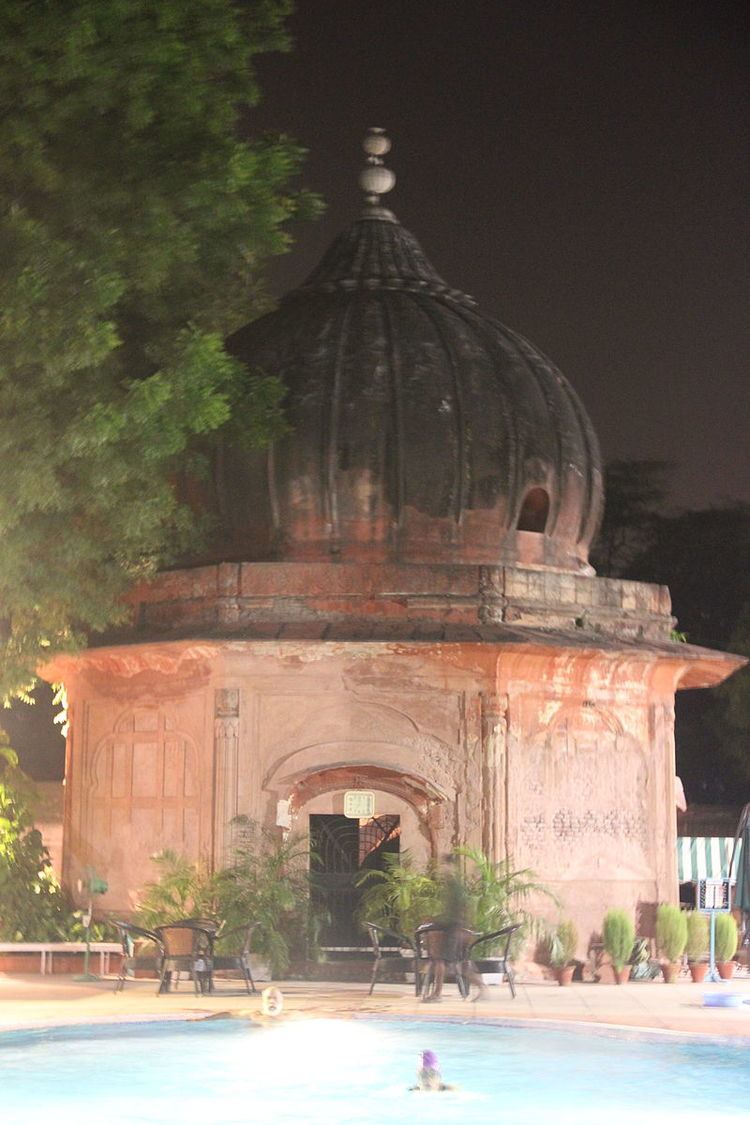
[271, 1002]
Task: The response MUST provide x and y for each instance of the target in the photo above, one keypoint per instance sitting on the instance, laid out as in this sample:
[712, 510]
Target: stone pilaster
[493, 775]
[226, 768]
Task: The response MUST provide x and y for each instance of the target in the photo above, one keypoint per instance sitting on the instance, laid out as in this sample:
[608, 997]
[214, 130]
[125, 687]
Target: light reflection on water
[355, 1072]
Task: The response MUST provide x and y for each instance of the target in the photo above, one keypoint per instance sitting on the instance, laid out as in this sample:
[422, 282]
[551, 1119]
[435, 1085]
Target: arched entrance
[343, 848]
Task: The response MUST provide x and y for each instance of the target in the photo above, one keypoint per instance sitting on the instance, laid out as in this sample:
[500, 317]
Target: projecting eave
[686, 666]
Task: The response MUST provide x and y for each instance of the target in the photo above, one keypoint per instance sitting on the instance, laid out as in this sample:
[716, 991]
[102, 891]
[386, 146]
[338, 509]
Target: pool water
[357, 1072]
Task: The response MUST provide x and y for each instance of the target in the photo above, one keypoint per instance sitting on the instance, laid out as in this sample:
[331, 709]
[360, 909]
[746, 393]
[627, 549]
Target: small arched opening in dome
[534, 511]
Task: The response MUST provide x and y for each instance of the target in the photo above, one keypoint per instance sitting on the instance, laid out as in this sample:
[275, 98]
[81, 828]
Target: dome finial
[375, 180]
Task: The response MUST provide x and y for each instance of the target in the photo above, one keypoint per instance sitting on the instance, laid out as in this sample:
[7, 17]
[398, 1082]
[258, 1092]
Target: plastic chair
[377, 934]
[503, 960]
[236, 961]
[129, 935]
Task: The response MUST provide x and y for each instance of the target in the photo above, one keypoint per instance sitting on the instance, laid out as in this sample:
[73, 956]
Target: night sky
[580, 168]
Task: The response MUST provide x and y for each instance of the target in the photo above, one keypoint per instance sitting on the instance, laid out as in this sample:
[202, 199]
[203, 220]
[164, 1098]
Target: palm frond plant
[184, 889]
[400, 897]
[267, 883]
[497, 893]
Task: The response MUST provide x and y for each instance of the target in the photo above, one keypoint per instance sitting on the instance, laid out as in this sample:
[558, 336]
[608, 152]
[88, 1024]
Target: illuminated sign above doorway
[359, 804]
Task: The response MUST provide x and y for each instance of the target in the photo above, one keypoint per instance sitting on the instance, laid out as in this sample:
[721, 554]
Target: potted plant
[726, 945]
[563, 943]
[671, 938]
[696, 947]
[267, 882]
[618, 935]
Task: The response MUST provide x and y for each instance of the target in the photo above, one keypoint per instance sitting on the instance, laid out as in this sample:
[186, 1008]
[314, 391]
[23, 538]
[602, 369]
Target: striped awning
[705, 857]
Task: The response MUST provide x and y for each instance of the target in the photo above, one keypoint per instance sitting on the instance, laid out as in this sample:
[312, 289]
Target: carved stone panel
[582, 800]
[142, 796]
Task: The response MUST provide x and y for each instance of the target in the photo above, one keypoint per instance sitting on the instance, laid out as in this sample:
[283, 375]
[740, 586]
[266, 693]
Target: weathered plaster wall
[165, 757]
[589, 783]
[560, 760]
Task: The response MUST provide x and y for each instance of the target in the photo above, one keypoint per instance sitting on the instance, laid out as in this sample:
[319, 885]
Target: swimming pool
[357, 1072]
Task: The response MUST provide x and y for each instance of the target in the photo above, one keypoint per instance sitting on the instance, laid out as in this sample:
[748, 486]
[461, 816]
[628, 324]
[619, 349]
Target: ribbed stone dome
[421, 431]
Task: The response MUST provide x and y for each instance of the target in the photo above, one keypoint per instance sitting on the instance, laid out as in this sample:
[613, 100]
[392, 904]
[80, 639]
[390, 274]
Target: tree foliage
[134, 227]
[733, 725]
[32, 905]
[634, 494]
[702, 556]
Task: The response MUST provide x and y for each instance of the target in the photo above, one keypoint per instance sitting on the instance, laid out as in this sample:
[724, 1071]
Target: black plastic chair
[187, 948]
[129, 935]
[239, 962]
[502, 961]
[377, 935]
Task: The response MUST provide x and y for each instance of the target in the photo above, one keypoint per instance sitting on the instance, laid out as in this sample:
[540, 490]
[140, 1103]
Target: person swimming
[428, 1074]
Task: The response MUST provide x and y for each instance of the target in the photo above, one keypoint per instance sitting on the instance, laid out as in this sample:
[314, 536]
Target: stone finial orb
[376, 180]
[376, 143]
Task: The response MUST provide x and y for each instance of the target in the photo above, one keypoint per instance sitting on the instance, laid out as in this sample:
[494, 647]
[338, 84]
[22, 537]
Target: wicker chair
[431, 946]
[187, 948]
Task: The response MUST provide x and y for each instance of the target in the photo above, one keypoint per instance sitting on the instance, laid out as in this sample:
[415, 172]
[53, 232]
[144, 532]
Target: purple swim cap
[430, 1060]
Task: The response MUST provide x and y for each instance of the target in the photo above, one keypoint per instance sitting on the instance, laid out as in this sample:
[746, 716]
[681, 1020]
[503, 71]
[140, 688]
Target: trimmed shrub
[671, 931]
[618, 935]
[726, 937]
[697, 935]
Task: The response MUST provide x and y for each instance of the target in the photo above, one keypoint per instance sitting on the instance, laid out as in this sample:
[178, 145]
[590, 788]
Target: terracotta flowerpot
[622, 975]
[565, 974]
[698, 970]
[726, 969]
[671, 970]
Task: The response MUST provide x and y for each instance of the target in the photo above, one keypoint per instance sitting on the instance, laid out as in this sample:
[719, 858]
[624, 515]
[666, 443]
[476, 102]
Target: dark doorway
[341, 848]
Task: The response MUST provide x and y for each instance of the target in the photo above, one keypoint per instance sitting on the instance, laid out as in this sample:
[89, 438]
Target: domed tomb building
[396, 604]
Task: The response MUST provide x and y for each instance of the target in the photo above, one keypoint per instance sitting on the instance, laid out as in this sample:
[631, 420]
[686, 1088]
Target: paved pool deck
[33, 1001]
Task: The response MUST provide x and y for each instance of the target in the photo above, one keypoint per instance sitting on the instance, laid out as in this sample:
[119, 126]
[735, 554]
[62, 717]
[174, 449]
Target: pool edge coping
[597, 1028]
